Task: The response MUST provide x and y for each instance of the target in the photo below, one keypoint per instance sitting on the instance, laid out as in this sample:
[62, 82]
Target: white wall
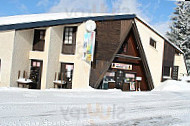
[16, 55]
[53, 52]
[81, 73]
[154, 56]
[179, 61]
[6, 54]
[22, 46]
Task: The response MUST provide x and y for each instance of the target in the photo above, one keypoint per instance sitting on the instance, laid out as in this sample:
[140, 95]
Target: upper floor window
[153, 43]
[39, 40]
[68, 35]
[69, 40]
[124, 48]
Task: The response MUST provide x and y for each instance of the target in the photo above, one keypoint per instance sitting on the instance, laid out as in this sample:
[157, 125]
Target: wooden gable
[109, 39]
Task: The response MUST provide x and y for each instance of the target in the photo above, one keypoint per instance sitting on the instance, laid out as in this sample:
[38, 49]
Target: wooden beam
[143, 57]
[127, 57]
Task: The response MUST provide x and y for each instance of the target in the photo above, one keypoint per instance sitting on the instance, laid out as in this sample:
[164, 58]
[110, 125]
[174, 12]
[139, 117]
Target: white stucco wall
[53, 52]
[52, 57]
[45, 59]
[154, 56]
[22, 46]
[81, 73]
[6, 54]
[179, 61]
[16, 55]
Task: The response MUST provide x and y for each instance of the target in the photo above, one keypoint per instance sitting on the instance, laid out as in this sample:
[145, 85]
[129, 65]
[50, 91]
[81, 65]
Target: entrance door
[36, 73]
[175, 72]
[67, 72]
[119, 78]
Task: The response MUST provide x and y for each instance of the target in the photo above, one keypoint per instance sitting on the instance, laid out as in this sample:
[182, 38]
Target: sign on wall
[88, 47]
[139, 78]
[122, 66]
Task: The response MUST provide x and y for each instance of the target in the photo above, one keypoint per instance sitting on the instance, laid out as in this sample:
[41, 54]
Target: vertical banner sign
[89, 45]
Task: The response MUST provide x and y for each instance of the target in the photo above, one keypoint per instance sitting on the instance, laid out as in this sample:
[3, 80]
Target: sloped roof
[51, 19]
[45, 17]
[160, 34]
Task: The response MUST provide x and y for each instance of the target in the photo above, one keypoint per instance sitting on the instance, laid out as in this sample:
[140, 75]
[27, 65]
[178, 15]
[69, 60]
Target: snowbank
[172, 85]
[185, 78]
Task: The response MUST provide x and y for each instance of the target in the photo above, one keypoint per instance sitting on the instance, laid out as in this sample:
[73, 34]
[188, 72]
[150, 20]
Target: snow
[60, 107]
[185, 78]
[23, 80]
[59, 82]
[47, 17]
[173, 85]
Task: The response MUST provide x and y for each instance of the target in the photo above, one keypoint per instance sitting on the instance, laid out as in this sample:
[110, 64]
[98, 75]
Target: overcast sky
[155, 12]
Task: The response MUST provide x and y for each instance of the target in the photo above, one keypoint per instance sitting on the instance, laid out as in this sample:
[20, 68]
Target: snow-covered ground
[22, 107]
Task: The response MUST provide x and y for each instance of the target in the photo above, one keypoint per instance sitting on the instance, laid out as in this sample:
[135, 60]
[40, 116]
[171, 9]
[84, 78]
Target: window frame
[153, 43]
[39, 41]
[168, 73]
[69, 30]
[69, 47]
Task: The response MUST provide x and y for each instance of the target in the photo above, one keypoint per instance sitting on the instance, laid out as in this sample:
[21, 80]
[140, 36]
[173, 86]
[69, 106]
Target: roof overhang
[19, 26]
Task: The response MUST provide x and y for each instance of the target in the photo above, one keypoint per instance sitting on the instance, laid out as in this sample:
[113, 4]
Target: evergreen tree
[180, 29]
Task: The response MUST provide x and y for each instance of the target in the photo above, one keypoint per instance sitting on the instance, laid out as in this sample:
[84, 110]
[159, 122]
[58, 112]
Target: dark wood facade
[168, 60]
[106, 43]
[138, 68]
[111, 35]
[169, 53]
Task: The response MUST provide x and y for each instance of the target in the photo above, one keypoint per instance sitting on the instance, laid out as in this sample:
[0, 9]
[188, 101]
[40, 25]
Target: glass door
[35, 73]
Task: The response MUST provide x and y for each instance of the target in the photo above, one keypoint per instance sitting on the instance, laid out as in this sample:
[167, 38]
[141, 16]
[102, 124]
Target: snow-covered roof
[48, 17]
[10, 22]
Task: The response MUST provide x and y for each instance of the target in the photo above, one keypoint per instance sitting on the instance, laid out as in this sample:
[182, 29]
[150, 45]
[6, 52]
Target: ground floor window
[167, 71]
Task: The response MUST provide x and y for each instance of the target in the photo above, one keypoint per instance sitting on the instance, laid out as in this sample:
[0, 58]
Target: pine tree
[180, 29]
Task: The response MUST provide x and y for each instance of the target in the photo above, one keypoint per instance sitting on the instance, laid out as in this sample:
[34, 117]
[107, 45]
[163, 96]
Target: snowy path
[57, 108]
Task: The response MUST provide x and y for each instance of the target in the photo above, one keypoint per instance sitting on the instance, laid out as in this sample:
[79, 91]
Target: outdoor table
[24, 82]
[59, 83]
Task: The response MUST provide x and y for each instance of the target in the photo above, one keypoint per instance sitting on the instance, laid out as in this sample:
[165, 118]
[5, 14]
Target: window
[68, 35]
[69, 40]
[167, 71]
[124, 48]
[39, 40]
[153, 43]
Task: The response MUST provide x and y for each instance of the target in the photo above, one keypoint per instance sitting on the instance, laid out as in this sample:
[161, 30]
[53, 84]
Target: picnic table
[60, 83]
[24, 82]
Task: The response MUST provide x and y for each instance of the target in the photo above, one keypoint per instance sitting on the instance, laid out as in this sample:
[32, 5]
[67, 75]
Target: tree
[179, 32]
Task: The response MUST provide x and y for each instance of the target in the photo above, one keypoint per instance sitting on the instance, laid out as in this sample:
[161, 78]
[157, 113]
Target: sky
[156, 12]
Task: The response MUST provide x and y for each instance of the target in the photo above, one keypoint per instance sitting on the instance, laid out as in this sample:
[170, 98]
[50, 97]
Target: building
[126, 48]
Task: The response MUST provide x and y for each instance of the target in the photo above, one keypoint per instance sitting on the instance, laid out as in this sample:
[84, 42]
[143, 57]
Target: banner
[89, 45]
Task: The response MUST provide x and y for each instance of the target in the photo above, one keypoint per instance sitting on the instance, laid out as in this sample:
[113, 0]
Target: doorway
[36, 73]
[67, 72]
